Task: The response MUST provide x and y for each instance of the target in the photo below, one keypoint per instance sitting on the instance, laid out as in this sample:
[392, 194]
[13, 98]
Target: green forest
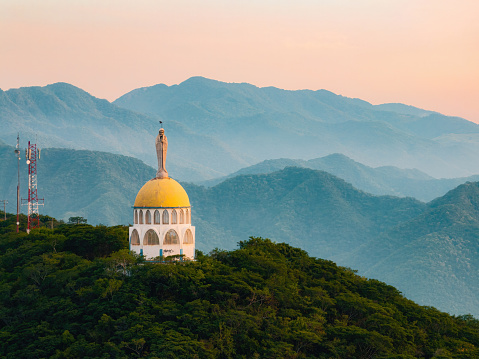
[75, 291]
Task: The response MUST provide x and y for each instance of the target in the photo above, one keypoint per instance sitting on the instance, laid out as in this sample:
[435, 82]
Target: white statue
[161, 148]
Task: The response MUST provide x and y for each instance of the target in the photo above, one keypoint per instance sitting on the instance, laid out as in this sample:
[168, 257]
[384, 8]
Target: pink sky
[419, 52]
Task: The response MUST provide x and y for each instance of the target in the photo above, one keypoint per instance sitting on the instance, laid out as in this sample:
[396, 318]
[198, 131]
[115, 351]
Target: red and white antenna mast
[32, 154]
[17, 154]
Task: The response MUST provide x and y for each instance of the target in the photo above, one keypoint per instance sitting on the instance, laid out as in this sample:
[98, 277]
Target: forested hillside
[76, 292]
[434, 256]
[310, 209]
[99, 186]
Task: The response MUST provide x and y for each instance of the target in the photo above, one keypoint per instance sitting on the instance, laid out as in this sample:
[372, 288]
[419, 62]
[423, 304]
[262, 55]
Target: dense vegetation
[77, 292]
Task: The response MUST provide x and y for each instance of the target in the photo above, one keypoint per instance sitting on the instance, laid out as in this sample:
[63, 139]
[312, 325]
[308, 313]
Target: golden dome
[162, 192]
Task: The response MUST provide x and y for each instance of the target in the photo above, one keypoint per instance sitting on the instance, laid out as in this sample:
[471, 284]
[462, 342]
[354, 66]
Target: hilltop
[74, 292]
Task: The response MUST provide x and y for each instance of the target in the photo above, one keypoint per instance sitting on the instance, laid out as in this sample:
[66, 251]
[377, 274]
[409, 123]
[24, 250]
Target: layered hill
[384, 180]
[98, 186]
[423, 249]
[433, 257]
[310, 209]
[64, 116]
[435, 254]
[265, 123]
[216, 128]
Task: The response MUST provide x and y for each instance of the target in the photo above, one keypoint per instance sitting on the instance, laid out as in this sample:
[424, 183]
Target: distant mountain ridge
[267, 123]
[62, 115]
[385, 180]
[217, 128]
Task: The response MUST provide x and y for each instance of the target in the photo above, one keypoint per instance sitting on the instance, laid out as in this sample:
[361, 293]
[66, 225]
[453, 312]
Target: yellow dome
[162, 192]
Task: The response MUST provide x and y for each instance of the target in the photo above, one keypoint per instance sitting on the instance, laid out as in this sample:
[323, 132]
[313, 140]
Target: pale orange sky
[419, 52]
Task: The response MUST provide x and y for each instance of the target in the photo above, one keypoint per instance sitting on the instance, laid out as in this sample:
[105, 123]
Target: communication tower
[17, 154]
[32, 153]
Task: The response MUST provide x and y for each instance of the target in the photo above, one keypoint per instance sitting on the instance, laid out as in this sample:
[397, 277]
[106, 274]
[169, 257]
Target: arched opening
[148, 217]
[141, 216]
[187, 216]
[135, 238]
[188, 237]
[171, 237]
[151, 238]
[173, 217]
[182, 217]
[136, 216]
[166, 218]
[157, 217]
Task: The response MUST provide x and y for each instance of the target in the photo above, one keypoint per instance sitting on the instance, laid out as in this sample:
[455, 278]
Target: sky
[423, 53]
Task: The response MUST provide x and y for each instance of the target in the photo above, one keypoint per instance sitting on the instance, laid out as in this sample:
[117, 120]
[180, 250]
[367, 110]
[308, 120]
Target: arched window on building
[188, 237]
[182, 217]
[187, 216]
[157, 217]
[173, 217]
[148, 217]
[171, 237]
[165, 217]
[135, 238]
[151, 238]
[136, 216]
[141, 216]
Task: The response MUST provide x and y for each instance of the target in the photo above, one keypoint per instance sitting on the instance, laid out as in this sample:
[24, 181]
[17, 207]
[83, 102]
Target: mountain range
[216, 128]
[424, 249]
[428, 250]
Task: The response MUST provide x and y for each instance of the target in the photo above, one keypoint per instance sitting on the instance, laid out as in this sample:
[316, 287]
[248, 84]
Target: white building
[162, 214]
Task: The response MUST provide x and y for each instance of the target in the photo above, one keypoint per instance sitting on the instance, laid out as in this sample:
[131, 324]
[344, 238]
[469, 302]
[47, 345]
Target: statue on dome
[161, 148]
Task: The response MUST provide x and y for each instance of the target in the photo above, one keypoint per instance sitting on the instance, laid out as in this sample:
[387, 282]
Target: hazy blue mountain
[96, 185]
[385, 180]
[266, 123]
[404, 109]
[62, 115]
[312, 209]
[216, 128]
[435, 255]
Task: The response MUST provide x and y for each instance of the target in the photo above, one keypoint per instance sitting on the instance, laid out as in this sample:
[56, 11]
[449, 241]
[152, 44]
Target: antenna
[17, 153]
[32, 154]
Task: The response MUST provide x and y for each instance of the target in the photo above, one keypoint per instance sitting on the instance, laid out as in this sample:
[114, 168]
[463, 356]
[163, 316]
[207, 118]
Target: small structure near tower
[162, 215]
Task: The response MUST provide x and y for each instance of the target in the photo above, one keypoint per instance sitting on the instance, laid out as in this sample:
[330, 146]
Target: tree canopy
[77, 292]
